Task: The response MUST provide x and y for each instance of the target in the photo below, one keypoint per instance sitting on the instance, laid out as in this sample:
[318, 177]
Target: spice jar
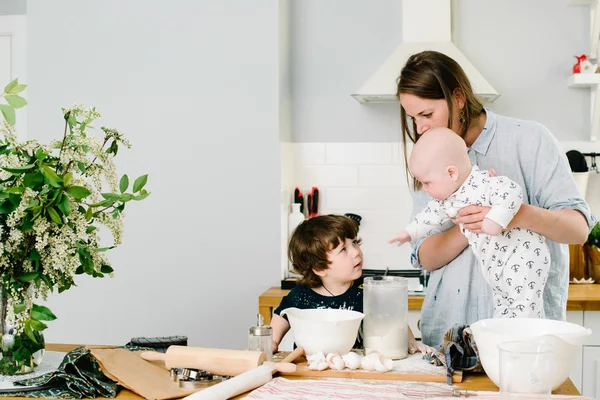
[260, 338]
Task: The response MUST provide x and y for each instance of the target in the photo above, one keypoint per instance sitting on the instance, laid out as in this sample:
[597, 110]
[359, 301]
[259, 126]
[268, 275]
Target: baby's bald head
[437, 152]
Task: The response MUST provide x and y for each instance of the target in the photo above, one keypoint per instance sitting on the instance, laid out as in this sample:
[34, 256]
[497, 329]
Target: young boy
[514, 262]
[325, 251]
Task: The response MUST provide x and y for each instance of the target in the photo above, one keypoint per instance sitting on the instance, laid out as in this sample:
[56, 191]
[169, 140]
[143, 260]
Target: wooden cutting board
[412, 368]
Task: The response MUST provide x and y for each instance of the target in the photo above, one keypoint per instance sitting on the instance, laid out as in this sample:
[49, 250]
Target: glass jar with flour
[385, 326]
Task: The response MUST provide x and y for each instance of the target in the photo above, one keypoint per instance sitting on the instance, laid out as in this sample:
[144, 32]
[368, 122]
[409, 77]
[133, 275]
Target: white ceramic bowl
[324, 330]
[565, 337]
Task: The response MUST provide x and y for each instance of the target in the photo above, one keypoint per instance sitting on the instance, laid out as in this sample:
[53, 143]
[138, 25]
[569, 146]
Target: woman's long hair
[433, 75]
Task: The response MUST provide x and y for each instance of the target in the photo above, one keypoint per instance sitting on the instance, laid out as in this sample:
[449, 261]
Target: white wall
[194, 86]
[525, 51]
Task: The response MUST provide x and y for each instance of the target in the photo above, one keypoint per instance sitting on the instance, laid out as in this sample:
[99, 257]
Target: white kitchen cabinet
[576, 317]
[591, 371]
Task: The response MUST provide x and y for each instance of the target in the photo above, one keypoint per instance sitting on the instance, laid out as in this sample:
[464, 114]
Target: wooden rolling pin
[216, 361]
[248, 380]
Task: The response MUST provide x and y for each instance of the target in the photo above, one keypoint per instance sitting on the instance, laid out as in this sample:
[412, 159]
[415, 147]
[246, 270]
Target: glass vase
[19, 354]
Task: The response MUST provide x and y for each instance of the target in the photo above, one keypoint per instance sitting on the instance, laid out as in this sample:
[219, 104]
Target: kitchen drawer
[576, 317]
[591, 372]
[591, 320]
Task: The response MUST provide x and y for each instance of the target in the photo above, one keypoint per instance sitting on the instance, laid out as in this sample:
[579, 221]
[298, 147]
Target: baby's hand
[400, 238]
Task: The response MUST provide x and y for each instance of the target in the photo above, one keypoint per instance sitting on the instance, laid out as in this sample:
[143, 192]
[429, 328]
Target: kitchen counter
[582, 297]
[476, 382]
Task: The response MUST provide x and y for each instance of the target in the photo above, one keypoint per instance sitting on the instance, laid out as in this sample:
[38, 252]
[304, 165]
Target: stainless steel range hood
[426, 25]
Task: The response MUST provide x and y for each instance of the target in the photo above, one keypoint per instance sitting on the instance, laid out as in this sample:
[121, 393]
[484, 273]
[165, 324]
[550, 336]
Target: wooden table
[473, 382]
[582, 297]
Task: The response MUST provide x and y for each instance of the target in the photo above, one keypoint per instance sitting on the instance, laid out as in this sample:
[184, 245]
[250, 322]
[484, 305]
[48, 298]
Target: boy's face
[345, 262]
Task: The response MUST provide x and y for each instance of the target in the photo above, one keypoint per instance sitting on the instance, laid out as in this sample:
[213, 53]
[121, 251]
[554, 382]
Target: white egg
[352, 360]
[383, 364]
[335, 361]
[368, 363]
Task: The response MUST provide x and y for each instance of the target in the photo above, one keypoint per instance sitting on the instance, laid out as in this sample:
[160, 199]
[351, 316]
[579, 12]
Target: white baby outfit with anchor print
[516, 262]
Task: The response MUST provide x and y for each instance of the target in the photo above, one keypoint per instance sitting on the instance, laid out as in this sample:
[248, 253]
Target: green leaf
[103, 203]
[51, 177]
[101, 249]
[38, 282]
[28, 276]
[15, 190]
[67, 178]
[19, 170]
[111, 196]
[7, 207]
[40, 155]
[139, 183]
[125, 197]
[124, 184]
[48, 282]
[54, 215]
[107, 269]
[78, 192]
[79, 270]
[65, 205]
[90, 229]
[11, 85]
[27, 223]
[15, 101]
[33, 179]
[42, 313]
[19, 308]
[88, 214]
[18, 89]
[29, 332]
[37, 325]
[8, 113]
[34, 255]
[81, 166]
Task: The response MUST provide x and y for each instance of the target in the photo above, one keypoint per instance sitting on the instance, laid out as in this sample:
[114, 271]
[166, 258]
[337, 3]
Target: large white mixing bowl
[324, 330]
[565, 337]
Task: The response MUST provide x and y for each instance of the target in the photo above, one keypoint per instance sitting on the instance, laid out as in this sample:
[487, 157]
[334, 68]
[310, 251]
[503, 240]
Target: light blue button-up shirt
[527, 153]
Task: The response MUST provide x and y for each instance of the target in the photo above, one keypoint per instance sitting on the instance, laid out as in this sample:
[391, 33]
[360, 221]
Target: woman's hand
[471, 217]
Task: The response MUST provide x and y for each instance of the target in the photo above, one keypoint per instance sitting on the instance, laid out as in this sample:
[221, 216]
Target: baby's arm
[506, 198]
[280, 327]
[432, 217]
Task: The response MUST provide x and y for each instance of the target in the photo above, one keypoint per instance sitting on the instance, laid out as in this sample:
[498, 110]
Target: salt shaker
[260, 338]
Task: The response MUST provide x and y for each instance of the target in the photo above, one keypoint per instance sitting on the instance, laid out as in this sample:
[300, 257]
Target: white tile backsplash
[358, 153]
[310, 153]
[382, 199]
[308, 176]
[381, 175]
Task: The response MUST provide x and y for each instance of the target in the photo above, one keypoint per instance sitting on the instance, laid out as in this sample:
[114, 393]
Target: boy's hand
[400, 238]
[414, 346]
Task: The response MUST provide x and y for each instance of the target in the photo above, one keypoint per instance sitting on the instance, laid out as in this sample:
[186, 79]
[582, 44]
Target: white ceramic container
[324, 330]
[565, 337]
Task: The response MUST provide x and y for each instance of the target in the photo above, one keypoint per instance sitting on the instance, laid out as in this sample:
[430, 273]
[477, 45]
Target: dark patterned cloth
[78, 376]
[459, 352]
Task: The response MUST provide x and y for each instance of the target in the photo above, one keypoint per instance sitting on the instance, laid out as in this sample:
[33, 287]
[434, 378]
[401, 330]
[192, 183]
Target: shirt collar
[482, 143]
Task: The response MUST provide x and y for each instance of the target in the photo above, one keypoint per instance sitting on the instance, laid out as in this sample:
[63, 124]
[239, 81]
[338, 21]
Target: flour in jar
[391, 341]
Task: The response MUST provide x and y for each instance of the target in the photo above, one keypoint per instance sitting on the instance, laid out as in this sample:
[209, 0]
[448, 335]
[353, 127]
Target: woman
[434, 91]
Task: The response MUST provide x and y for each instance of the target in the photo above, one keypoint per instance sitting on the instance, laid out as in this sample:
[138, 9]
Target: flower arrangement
[53, 199]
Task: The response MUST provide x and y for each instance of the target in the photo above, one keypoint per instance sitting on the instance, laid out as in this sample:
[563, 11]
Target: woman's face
[428, 114]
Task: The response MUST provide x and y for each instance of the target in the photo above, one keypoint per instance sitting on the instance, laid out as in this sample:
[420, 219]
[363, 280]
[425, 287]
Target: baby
[325, 251]
[514, 262]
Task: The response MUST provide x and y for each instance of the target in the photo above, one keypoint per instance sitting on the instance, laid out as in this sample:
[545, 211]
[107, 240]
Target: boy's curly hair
[313, 239]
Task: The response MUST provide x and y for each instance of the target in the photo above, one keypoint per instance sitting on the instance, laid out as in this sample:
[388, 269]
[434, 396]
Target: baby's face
[437, 183]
